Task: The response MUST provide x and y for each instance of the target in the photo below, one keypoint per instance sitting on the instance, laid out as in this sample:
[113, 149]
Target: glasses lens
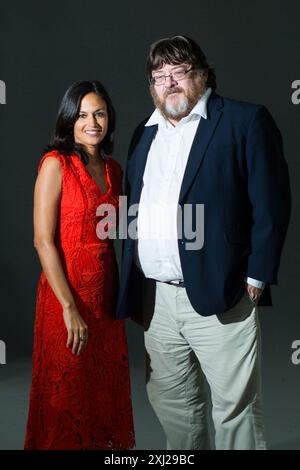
[179, 74]
[159, 79]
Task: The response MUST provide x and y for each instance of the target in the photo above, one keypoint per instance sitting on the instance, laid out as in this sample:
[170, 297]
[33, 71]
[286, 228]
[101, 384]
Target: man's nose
[169, 81]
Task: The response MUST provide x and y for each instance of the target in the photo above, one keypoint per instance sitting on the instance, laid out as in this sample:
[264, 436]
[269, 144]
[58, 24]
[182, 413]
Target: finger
[251, 291]
[82, 345]
[83, 333]
[83, 338]
[83, 330]
[70, 338]
[255, 296]
[75, 342]
[79, 349]
[252, 294]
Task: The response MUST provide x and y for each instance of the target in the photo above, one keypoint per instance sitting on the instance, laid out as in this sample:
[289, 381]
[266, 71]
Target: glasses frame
[152, 79]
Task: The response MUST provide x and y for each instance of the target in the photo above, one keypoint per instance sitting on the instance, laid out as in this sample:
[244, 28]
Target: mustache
[170, 91]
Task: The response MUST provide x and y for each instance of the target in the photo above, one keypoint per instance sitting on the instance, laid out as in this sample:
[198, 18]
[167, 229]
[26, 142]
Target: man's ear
[205, 76]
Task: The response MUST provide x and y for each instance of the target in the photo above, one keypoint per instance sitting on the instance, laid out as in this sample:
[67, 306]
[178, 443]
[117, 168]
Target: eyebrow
[99, 109]
[175, 67]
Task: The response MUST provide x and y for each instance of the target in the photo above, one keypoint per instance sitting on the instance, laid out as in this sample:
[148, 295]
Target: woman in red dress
[80, 392]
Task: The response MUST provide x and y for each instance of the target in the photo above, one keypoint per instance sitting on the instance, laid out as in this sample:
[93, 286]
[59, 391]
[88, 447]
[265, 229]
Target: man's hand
[253, 292]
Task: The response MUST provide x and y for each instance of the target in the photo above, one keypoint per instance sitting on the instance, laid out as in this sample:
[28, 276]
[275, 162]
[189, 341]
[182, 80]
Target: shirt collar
[199, 110]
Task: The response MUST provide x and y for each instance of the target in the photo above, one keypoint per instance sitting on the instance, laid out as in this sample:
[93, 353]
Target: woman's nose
[92, 120]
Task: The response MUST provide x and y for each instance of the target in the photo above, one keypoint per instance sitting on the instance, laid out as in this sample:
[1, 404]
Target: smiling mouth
[93, 133]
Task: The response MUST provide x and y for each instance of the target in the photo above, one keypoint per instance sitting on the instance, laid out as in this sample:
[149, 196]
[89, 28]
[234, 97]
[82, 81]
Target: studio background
[46, 46]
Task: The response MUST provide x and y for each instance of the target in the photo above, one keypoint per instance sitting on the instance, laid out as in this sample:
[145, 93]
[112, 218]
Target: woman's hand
[77, 330]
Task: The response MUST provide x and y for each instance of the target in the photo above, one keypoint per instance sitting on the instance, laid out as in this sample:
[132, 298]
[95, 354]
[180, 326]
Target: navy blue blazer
[236, 168]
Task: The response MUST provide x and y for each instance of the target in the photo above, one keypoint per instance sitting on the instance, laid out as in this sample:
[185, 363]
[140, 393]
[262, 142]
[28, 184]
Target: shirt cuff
[255, 283]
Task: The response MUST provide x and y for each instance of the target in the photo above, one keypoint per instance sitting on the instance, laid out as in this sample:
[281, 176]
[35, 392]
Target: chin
[93, 141]
[175, 96]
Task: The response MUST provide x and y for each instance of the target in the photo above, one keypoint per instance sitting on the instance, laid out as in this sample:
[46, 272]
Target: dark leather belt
[175, 283]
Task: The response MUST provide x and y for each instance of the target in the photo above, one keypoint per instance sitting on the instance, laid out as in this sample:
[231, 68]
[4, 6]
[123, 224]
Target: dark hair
[178, 50]
[63, 139]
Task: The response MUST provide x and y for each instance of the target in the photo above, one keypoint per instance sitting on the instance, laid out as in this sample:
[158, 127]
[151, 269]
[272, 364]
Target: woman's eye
[100, 114]
[81, 116]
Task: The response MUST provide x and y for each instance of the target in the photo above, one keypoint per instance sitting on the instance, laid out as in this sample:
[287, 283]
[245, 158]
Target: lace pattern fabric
[81, 402]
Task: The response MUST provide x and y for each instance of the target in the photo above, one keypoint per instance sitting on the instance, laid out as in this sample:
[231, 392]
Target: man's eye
[158, 77]
[178, 71]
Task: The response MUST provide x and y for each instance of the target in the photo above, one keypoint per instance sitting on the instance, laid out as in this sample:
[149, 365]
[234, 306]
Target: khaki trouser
[183, 347]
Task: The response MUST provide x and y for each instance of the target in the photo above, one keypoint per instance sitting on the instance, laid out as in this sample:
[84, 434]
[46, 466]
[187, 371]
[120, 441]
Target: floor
[281, 398]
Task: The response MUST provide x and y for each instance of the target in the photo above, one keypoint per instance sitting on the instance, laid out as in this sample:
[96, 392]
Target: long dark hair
[179, 50]
[63, 139]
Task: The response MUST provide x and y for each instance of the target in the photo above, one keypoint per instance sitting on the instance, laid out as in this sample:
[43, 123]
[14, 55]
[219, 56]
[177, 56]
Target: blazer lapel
[138, 160]
[202, 138]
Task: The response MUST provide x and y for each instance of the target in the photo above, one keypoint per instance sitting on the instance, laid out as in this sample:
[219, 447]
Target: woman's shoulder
[54, 154]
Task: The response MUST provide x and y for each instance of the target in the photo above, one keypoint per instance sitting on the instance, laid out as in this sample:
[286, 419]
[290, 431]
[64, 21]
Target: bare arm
[47, 195]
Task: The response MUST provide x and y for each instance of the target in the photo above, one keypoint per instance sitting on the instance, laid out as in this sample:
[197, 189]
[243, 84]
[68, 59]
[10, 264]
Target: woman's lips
[93, 133]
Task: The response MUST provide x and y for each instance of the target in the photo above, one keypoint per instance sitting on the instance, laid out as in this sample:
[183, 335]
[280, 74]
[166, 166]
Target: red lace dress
[81, 402]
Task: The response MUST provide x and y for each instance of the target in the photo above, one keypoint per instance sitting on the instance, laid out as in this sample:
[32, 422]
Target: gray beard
[177, 110]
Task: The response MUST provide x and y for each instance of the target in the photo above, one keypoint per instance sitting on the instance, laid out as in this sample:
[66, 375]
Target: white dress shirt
[157, 245]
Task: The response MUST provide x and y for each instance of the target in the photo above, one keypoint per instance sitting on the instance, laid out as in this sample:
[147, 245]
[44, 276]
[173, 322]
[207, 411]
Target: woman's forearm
[53, 269]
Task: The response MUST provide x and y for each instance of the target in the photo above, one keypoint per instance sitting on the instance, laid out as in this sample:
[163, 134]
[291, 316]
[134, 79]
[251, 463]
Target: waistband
[174, 283]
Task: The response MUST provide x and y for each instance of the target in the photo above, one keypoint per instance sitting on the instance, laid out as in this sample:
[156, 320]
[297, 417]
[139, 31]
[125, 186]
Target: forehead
[92, 101]
[168, 67]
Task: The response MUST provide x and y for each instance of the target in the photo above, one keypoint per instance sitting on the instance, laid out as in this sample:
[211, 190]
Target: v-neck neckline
[106, 174]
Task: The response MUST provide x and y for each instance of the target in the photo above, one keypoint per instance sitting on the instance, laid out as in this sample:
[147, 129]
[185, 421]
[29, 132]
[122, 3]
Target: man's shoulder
[137, 134]
[141, 125]
[243, 111]
[242, 114]
[241, 106]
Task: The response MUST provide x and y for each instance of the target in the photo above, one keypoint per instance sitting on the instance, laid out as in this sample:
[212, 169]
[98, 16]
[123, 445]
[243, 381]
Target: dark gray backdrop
[45, 46]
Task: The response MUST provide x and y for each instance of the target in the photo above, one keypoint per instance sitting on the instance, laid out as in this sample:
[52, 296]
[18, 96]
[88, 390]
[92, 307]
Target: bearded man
[199, 301]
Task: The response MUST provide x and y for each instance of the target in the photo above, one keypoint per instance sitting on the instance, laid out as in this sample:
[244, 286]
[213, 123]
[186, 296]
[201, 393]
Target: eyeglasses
[177, 75]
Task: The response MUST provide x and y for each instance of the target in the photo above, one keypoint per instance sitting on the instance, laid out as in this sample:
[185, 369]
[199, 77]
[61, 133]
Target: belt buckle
[176, 283]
